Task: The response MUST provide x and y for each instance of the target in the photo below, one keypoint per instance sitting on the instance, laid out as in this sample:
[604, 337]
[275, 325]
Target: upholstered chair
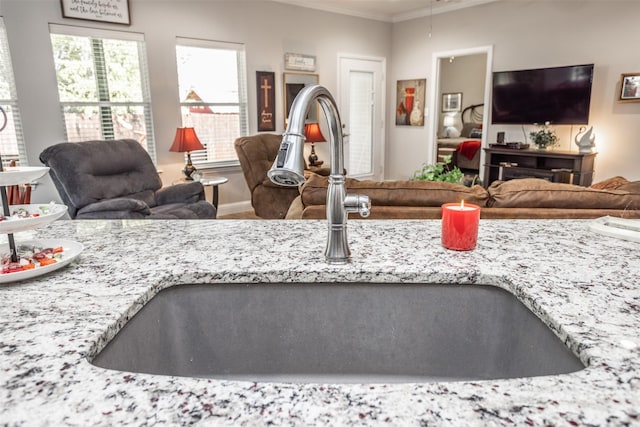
[257, 154]
[117, 179]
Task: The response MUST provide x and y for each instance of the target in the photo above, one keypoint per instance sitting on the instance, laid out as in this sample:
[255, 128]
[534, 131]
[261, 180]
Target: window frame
[200, 157]
[100, 78]
[13, 112]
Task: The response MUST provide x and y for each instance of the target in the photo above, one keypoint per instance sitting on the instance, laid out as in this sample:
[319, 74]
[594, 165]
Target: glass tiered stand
[16, 218]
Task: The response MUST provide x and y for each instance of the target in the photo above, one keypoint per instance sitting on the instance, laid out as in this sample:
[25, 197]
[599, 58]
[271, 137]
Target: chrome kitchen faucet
[288, 169]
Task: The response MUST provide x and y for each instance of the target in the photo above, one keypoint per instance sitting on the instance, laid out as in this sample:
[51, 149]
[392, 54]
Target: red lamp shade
[312, 133]
[186, 140]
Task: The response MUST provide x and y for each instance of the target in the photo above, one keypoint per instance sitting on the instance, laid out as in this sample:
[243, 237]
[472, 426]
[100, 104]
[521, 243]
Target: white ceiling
[387, 10]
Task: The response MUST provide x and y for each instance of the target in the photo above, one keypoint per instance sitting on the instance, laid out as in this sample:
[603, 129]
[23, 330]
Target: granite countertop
[586, 287]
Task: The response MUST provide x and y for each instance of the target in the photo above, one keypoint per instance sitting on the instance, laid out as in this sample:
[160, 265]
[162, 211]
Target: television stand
[556, 166]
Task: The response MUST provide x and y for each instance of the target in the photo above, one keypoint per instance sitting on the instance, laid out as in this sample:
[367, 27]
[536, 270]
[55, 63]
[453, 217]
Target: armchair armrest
[121, 207]
[188, 192]
[326, 171]
[268, 183]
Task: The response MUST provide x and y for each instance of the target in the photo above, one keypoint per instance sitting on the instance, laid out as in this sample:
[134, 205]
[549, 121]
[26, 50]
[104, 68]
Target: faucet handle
[358, 203]
[365, 207]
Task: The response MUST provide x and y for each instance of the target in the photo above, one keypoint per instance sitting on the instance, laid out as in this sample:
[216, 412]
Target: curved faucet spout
[288, 168]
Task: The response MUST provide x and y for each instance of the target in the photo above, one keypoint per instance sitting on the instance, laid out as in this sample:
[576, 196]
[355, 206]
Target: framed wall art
[451, 102]
[265, 87]
[293, 84]
[629, 87]
[114, 11]
[410, 96]
[299, 62]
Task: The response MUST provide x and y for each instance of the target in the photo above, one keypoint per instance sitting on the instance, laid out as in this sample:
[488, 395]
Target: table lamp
[450, 130]
[186, 141]
[312, 134]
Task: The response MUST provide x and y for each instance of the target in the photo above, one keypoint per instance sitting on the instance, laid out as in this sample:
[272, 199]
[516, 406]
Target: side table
[209, 182]
[214, 182]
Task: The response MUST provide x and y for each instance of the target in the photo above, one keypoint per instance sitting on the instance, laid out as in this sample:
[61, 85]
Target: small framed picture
[629, 87]
[299, 62]
[451, 102]
[265, 86]
[410, 102]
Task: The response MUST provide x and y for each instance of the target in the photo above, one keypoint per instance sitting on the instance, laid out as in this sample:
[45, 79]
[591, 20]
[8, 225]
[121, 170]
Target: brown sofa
[518, 198]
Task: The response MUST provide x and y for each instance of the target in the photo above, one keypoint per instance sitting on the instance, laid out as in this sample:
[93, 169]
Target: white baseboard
[231, 208]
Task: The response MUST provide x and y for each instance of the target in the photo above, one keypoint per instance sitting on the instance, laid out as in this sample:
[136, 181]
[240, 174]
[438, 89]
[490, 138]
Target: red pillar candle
[460, 226]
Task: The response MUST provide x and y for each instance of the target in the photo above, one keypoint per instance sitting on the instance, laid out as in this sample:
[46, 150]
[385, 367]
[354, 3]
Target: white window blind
[103, 84]
[213, 97]
[12, 145]
[361, 123]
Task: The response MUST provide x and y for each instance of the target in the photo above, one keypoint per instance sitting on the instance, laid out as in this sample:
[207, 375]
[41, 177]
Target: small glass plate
[71, 250]
[46, 214]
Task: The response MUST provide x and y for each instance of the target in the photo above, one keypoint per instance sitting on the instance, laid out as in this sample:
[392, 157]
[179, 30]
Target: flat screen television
[560, 95]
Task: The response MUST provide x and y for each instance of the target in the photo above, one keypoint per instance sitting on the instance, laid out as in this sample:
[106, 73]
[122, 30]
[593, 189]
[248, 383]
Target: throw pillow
[611, 183]
[475, 133]
[540, 193]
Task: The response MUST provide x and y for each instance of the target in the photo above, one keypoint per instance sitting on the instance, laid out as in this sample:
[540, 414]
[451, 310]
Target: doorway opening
[461, 89]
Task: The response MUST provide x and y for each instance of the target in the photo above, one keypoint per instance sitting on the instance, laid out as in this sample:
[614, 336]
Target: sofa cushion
[539, 193]
[397, 193]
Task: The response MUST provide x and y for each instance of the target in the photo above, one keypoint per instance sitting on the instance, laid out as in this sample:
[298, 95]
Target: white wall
[267, 29]
[532, 34]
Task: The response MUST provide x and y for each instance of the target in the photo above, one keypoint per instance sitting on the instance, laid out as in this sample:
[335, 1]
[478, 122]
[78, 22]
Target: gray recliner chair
[117, 179]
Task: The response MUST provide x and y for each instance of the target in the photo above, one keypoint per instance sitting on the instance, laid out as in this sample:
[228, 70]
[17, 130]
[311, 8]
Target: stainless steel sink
[337, 333]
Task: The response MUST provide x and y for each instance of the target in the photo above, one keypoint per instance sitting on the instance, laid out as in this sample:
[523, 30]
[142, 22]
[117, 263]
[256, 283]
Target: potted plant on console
[544, 137]
[445, 172]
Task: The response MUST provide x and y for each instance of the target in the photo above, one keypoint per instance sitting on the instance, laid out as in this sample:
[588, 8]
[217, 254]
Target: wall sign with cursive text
[115, 11]
[265, 86]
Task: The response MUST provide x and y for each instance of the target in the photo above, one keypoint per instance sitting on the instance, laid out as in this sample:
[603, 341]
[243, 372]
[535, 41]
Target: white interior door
[361, 98]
